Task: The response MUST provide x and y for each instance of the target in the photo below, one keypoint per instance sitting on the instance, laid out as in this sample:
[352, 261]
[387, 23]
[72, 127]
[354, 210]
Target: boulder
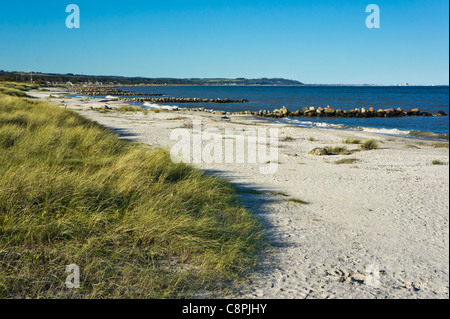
[319, 152]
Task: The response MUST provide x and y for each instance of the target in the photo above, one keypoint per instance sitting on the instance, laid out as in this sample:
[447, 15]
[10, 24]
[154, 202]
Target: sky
[312, 41]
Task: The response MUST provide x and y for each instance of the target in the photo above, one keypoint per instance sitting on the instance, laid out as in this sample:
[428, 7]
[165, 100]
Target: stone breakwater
[104, 91]
[142, 97]
[330, 112]
[181, 100]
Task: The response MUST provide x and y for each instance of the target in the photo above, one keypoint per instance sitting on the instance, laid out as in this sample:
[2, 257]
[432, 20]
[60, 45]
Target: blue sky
[313, 41]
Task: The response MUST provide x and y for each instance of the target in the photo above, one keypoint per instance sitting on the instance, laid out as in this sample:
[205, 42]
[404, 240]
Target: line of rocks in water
[180, 100]
[330, 112]
[104, 91]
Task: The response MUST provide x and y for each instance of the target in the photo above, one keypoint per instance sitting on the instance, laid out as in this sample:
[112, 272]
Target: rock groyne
[331, 112]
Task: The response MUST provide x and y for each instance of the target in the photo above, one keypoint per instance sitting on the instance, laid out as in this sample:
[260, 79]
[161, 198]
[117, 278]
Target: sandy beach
[376, 228]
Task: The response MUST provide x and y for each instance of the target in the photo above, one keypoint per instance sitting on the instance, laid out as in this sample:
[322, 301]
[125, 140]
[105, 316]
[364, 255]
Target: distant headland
[55, 78]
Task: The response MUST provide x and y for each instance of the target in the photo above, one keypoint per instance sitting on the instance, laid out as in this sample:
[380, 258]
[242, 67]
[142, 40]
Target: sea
[427, 98]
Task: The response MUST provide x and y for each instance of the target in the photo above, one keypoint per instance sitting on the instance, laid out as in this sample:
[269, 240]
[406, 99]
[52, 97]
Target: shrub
[370, 145]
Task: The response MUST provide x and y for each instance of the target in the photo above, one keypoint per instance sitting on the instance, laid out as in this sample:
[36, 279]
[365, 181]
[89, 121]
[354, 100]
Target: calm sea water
[428, 99]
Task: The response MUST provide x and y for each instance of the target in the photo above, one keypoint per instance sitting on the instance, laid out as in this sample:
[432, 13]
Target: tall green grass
[137, 225]
[15, 89]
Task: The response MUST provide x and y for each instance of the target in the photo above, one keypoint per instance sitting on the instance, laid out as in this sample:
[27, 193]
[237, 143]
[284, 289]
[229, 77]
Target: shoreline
[312, 117]
[420, 135]
[389, 209]
[302, 119]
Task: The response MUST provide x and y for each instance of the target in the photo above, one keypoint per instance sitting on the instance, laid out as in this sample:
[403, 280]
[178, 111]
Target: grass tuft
[351, 141]
[129, 108]
[338, 150]
[370, 145]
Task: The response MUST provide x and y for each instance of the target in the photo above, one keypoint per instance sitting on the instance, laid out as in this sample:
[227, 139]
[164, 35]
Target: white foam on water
[310, 124]
[314, 124]
[386, 131]
[155, 106]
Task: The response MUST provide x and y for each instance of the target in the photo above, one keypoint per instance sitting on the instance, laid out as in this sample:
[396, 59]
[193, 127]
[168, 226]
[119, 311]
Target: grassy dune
[137, 225]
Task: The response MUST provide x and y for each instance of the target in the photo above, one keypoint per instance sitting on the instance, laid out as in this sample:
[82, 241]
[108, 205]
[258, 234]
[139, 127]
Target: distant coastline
[81, 79]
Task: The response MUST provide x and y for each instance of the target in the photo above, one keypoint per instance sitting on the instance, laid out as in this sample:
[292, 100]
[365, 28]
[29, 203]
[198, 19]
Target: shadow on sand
[257, 200]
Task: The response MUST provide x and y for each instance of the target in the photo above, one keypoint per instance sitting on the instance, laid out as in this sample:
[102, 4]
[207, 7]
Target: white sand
[389, 210]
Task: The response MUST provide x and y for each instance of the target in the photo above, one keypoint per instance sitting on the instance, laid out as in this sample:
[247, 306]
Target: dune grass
[137, 225]
[437, 162]
[370, 145]
[15, 89]
[351, 141]
[129, 108]
[338, 150]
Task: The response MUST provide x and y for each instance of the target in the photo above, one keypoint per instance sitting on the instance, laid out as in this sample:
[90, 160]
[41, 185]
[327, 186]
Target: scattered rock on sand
[319, 152]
